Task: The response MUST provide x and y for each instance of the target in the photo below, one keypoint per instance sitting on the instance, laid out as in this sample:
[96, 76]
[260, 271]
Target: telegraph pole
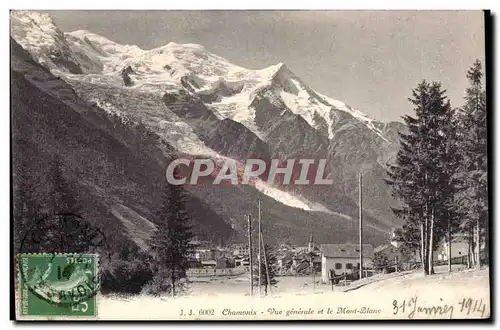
[265, 263]
[260, 255]
[311, 262]
[249, 221]
[360, 225]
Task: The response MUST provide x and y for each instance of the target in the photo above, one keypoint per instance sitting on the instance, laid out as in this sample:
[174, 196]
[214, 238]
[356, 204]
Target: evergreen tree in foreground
[170, 243]
[421, 177]
[474, 170]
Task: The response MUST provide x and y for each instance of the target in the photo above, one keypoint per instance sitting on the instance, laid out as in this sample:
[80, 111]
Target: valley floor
[407, 295]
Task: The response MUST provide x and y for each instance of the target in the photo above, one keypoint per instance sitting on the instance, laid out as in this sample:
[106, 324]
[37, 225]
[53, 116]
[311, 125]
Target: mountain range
[130, 108]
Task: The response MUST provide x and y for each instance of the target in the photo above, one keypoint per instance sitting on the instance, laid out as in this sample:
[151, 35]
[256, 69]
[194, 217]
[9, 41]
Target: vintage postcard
[250, 165]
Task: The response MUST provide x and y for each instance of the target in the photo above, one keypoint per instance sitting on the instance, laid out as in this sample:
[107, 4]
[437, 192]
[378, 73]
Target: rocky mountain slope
[203, 105]
[117, 176]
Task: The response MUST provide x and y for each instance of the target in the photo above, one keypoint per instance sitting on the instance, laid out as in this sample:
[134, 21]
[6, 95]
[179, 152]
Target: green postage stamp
[58, 285]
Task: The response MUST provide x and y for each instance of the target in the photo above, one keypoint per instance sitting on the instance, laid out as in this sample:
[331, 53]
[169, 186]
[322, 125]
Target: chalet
[302, 264]
[392, 253]
[343, 258]
[298, 260]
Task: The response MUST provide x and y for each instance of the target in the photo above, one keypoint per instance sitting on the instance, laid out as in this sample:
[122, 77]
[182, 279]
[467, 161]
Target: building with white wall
[343, 258]
[240, 250]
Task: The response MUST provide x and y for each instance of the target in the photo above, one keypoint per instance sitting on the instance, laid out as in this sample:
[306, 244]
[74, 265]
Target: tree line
[440, 173]
[49, 216]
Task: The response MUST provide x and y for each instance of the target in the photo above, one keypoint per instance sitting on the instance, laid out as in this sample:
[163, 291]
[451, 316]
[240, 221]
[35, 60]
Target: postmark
[58, 285]
[61, 232]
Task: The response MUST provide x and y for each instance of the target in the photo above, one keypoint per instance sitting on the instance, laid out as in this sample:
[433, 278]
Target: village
[335, 263]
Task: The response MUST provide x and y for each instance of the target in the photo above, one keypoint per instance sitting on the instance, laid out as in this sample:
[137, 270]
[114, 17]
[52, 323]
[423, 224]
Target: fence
[354, 276]
[209, 272]
[462, 260]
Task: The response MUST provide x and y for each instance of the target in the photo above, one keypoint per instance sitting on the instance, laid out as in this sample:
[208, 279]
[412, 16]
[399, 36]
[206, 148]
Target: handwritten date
[467, 307]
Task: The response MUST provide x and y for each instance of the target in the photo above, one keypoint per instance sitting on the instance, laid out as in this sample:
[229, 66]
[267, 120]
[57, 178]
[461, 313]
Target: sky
[371, 60]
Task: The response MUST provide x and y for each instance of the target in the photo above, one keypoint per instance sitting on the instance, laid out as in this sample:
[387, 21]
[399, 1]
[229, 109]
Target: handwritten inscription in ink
[413, 308]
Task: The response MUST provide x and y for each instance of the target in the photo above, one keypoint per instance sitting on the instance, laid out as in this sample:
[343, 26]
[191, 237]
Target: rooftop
[382, 247]
[345, 250]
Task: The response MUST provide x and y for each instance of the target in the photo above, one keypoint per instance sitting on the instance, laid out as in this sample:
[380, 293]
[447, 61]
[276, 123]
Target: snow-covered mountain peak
[203, 105]
[35, 19]
[39, 35]
[230, 89]
[272, 70]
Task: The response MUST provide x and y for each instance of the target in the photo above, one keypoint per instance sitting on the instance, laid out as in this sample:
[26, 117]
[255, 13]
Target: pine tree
[380, 261]
[410, 242]
[448, 207]
[267, 268]
[474, 188]
[421, 175]
[170, 243]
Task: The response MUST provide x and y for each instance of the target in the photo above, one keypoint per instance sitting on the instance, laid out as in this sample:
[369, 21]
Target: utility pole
[265, 263]
[260, 255]
[311, 262]
[249, 221]
[360, 225]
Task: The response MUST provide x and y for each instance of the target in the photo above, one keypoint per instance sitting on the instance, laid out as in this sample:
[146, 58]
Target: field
[461, 294]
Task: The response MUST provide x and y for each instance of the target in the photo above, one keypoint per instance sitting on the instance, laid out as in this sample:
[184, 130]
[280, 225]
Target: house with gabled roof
[343, 259]
[393, 254]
